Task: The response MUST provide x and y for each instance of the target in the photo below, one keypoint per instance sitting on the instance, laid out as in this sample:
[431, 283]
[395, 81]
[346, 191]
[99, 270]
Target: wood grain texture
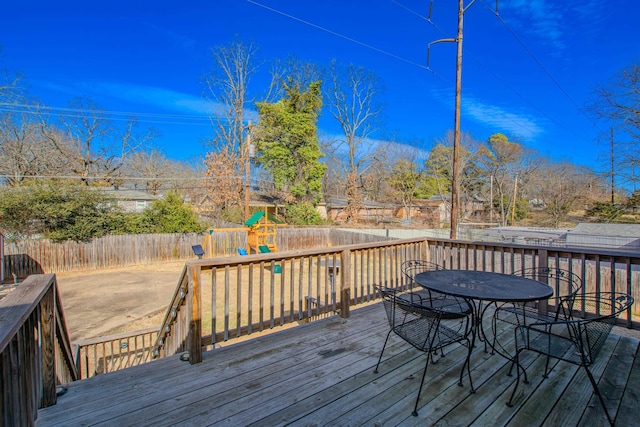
[321, 373]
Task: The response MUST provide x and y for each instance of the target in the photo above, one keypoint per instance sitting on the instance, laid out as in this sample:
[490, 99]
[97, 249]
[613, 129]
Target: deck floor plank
[321, 373]
[611, 383]
[628, 410]
[275, 391]
[231, 382]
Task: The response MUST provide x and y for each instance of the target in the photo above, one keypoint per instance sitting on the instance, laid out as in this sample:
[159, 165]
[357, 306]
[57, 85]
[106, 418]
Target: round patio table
[479, 286]
[484, 285]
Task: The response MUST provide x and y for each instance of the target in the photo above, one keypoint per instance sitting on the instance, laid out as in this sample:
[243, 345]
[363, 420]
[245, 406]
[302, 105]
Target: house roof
[255, 200]
[341, 203]
[610, 230]
[126, 194]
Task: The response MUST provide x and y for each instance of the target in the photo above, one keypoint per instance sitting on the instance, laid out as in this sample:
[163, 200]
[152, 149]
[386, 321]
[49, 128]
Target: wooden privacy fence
[35, 256]
[35, 352]
[103, 252]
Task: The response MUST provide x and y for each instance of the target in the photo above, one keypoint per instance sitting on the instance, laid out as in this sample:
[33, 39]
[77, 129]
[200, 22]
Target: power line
[104, 112]
[342, 36]
[494, 75]
[109, 114]
[526, 49]
[120, 177]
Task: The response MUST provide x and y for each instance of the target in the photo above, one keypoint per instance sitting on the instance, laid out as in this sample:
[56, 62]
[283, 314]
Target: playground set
[261, 229]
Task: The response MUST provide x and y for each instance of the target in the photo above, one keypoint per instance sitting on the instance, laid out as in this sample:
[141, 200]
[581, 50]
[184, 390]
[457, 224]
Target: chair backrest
[413, 267]
[415, 324]
[389, 302]
[565, 284]
[599, 313]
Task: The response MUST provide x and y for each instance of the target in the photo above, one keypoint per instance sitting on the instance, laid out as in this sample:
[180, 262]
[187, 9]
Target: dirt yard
[98, 303]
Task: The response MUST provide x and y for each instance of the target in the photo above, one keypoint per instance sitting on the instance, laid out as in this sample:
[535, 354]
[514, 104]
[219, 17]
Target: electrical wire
[517, 123]
[119, 177]
[536, 60]
[109, 114]
[342, 36]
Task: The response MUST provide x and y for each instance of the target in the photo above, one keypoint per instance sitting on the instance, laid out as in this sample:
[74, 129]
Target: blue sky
[527, 75]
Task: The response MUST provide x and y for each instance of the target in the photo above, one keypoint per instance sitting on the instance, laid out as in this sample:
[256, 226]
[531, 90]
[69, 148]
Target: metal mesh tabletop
[483, 285]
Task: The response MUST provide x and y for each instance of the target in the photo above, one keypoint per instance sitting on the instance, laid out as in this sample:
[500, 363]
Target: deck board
[321, 373]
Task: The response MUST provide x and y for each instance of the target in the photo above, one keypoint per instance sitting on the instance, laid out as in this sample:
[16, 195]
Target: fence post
[194, 310]
[345, 283]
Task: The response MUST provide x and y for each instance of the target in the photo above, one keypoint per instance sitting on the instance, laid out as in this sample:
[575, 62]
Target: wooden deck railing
[35, 351]
[258, 292]
[601, 270]
[223, 298]
[114, 352]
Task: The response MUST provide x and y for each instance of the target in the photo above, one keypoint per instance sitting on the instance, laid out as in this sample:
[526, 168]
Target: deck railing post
[543, 258]
[47, 321]
[423, 250]
[194, 310]
[543, 262]
[345, 283]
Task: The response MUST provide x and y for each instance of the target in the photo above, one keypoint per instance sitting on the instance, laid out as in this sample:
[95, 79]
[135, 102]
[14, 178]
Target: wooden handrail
[35, 355]
[171, 340]
[113, 352]
[362, 266]
[181, 328]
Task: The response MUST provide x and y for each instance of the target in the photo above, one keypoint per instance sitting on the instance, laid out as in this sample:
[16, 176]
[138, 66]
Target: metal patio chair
[576, 341]
[450, 306]
[422, 327]
[566, 286]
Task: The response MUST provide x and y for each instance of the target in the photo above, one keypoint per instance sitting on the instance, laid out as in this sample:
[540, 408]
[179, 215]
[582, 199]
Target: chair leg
[494, 329]
[597, 391]
[375, 371]
[546, 368]
[516, 362]
[424, 374]
[467, 363]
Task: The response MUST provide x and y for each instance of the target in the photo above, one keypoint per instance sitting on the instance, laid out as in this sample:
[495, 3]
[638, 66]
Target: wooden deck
[321, 373]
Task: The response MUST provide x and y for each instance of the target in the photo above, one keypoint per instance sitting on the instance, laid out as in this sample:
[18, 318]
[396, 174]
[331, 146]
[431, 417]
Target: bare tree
[94, 148]
[353, 98]
[151, 169]
[10, 84]
[227, 89]
[224, 183]
[24, 152]
[188, 177]
[559, 189]
[617, 104]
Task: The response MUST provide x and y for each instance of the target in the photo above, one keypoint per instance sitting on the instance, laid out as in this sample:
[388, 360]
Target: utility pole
[515, 192]
[455, 187]
[455, 176]
[491, 199]
[613, 173]
[247, 165]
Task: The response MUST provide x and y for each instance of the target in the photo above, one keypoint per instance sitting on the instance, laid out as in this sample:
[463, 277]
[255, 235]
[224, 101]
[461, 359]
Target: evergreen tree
[287, 146]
